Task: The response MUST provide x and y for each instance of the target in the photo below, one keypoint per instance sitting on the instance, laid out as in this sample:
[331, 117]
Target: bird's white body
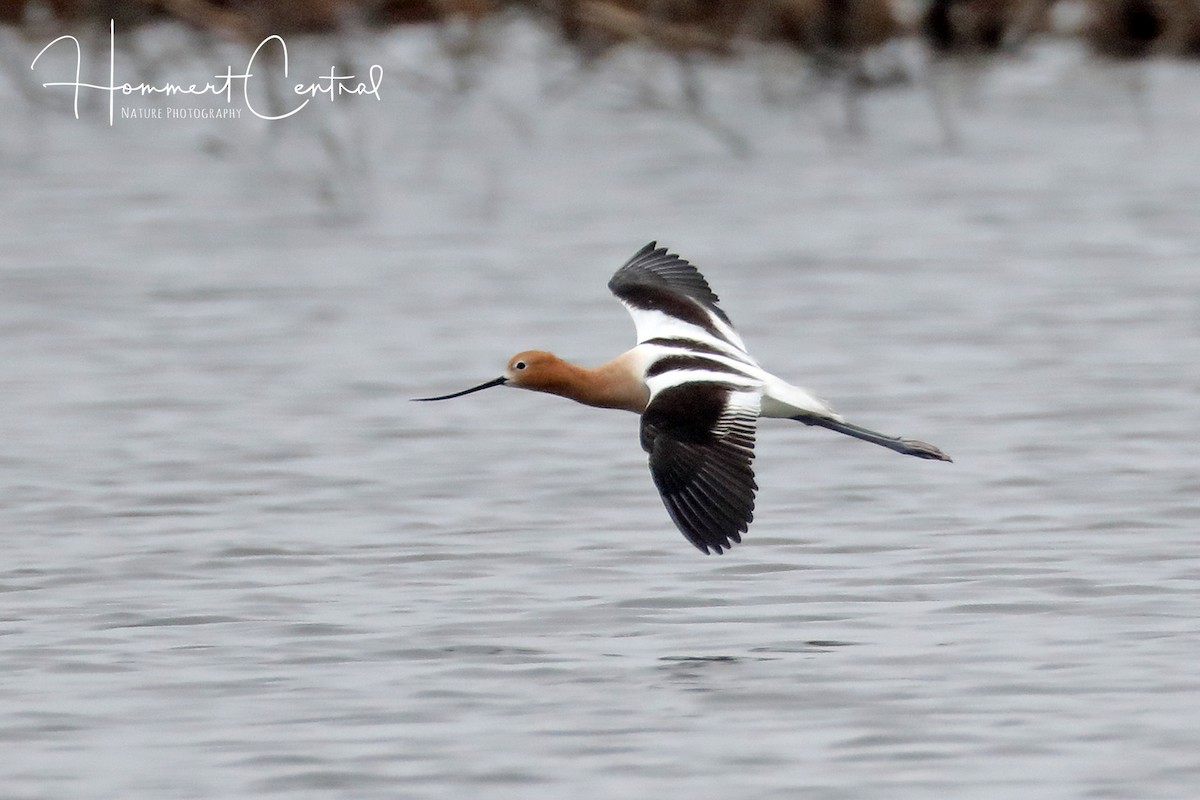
[778, 398]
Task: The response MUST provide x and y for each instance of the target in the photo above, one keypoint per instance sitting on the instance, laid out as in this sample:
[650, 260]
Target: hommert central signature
[333, 85]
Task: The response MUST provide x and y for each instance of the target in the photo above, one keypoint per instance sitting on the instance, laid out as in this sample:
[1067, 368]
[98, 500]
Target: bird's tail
[909, 447]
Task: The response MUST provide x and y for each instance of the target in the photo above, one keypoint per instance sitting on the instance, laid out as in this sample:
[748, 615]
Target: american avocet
[699, 392]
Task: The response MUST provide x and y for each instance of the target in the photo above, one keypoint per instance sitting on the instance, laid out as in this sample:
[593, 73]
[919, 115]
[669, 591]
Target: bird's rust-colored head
[529, 369]
[539, 371]
[617, 384]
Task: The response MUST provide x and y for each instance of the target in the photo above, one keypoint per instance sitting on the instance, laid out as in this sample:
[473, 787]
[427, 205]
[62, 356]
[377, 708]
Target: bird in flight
[699, 394]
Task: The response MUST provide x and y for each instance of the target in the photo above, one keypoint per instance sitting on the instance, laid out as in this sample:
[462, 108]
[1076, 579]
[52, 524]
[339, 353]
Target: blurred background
[238, 562]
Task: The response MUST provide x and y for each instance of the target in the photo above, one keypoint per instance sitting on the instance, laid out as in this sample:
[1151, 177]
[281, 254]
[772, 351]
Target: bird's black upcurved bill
[497, 382]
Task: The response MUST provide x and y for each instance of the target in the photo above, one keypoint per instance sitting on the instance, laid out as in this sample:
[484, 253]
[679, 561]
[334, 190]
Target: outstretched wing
[668, 298]
[700, 437]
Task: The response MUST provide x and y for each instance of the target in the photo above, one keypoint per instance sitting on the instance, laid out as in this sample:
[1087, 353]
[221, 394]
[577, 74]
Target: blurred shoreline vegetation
[840, 47]
[825, 30]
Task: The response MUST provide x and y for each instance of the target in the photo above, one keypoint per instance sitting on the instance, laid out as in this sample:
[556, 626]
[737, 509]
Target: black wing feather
[701, 452]
[653, 272]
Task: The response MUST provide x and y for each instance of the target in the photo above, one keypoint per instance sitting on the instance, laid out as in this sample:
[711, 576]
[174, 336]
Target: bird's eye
[519, 365]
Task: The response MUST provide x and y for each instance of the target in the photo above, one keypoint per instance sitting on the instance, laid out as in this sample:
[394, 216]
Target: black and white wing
[670, 302]
[700, 437]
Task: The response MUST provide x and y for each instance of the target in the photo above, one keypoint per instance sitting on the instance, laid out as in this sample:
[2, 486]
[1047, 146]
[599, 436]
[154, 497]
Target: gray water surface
[237, 562]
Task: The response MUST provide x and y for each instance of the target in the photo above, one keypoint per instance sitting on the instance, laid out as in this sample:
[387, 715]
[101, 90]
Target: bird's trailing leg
[909, 447]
